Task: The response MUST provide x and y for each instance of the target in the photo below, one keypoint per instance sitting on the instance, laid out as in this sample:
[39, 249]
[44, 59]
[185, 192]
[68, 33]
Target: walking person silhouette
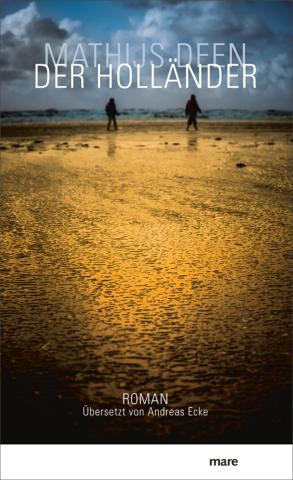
[111, 111]
[191, 110]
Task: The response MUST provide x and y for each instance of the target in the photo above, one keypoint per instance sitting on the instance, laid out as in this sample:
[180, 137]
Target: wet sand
[147, 260]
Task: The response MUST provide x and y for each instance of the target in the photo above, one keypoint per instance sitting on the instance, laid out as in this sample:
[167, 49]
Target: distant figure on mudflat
[111, 111]
[191, 110]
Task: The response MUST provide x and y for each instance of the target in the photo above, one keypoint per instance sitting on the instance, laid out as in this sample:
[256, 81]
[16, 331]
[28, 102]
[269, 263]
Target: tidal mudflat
[147, 260]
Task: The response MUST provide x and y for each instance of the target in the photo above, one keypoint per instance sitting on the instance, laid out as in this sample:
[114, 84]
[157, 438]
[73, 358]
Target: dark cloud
[21, 52]
[24, 34]
[17, 55]
[10, 75]
[9, 40]
[46, 28]
[225, 20]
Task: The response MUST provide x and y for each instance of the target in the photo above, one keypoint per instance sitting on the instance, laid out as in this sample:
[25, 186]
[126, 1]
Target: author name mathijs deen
[139, 400]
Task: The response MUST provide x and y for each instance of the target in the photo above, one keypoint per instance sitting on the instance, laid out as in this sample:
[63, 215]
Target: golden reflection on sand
[150, 262]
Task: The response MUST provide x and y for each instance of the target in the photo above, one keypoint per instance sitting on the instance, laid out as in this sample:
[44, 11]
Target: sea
[52, 115]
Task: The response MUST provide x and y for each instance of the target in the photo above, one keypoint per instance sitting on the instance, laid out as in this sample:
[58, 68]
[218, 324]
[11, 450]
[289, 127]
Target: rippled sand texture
[148, 262]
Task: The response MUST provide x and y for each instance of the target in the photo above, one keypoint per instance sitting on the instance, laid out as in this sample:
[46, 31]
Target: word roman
[144, 399]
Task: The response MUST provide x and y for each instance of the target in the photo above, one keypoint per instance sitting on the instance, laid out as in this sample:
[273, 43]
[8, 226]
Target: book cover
[146, 222]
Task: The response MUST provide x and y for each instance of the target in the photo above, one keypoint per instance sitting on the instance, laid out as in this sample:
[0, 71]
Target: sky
[265, 26]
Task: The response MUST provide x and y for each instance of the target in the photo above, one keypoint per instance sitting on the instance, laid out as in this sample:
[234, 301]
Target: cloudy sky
[264, 25]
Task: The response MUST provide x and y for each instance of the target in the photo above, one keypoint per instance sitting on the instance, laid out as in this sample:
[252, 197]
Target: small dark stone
[38, 141]
[16, 145]
[240, 165]
[166, 143]
[271, 143]
[218, 138]
[22, 255]
[175, 143]
[97, 146]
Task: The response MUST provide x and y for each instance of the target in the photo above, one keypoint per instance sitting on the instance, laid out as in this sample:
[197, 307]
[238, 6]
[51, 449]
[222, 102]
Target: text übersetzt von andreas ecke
[205, 65]
[145, 404]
